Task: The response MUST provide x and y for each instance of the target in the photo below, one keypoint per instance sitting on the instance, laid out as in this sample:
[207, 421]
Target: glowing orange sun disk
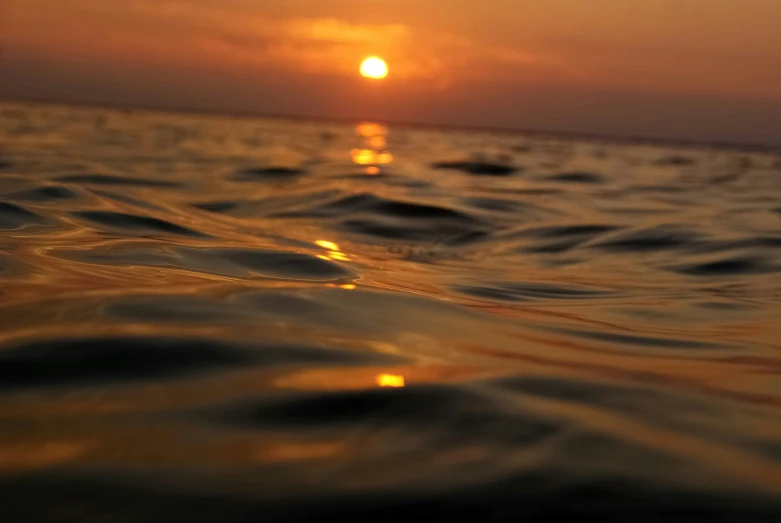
[374, 67]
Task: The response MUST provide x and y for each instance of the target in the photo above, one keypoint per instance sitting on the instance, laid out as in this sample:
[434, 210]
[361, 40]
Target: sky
[683, 69]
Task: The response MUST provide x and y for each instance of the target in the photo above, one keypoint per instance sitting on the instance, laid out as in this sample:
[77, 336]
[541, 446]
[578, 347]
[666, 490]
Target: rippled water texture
[216, 319]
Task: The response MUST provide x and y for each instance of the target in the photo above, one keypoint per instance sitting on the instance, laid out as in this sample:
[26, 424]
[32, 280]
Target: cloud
[240, 33]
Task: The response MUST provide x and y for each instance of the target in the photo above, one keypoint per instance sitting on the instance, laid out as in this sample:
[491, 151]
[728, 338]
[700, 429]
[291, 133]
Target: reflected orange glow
[374, 67]
[384, 157]
[348, 287]
[390, 380]
[369, 157]
[325, 244]
[363, 156]
[371, 129]
[373, 152]
[334, 251]
[377, 142]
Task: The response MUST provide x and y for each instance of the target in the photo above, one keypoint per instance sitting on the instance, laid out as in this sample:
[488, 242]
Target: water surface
[208, 318]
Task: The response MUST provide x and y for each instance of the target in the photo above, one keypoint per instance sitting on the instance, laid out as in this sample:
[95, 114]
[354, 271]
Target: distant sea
[218, 319]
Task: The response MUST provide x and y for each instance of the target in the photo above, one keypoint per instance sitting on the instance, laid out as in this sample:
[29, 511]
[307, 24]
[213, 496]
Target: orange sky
[708, 69]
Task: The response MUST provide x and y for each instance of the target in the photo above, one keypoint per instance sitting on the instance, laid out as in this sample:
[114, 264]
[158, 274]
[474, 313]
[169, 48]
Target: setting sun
[374, 67]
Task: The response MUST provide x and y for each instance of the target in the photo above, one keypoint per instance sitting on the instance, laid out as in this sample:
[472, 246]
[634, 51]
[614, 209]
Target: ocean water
[216, 319]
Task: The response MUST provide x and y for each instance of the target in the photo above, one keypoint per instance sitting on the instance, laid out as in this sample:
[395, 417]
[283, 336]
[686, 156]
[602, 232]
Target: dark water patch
[654, 239]
[386, 178]
[531, 495]
[421, 233]
[217, 207]
[741, 265]
[50, 193]
[135, 223]
[576, 177]
[722, 306]
[88, 361]
[760, 243]
[477, 168]
[374, 205]
[5, 165]
[14, 216]
[531, 291]
[409, 405]
[556, 247]
[502, 205]
[675, 160]
[535, 192]
[450, 412]
[642, 341]
[268, 174]
[416, 211]
[104, 179]
[286, 264]
[664, 189]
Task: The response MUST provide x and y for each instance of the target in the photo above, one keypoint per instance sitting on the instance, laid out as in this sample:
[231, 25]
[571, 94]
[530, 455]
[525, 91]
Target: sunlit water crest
[227, 319]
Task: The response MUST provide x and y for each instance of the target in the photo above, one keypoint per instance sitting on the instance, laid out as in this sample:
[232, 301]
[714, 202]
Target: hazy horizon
[704, 70]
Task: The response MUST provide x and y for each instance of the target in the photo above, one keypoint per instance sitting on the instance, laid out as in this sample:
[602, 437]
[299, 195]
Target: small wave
[268, 174]
[477, 168]
[733, 266]
[135, 223]
[531, 291]
[14, 216]
[577, 177]
[655, 239]
[51, 193]
[104, 179]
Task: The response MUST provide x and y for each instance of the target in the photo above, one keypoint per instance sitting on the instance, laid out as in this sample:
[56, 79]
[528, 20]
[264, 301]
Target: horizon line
[638, 139]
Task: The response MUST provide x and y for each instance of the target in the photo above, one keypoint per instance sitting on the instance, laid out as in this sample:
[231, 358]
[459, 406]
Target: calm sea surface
[213, 319]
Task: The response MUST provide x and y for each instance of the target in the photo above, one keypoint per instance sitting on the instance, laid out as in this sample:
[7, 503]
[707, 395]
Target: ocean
[210, 318]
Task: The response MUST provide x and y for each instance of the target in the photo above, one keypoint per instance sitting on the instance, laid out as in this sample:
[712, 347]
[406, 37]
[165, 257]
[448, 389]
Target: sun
[374, 67]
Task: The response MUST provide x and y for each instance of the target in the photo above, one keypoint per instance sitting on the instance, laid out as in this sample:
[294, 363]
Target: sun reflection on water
[334, 251]
[325, 244]
[390, 380]
[373, 153]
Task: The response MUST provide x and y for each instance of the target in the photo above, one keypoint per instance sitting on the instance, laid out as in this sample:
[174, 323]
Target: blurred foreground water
[224, 319]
